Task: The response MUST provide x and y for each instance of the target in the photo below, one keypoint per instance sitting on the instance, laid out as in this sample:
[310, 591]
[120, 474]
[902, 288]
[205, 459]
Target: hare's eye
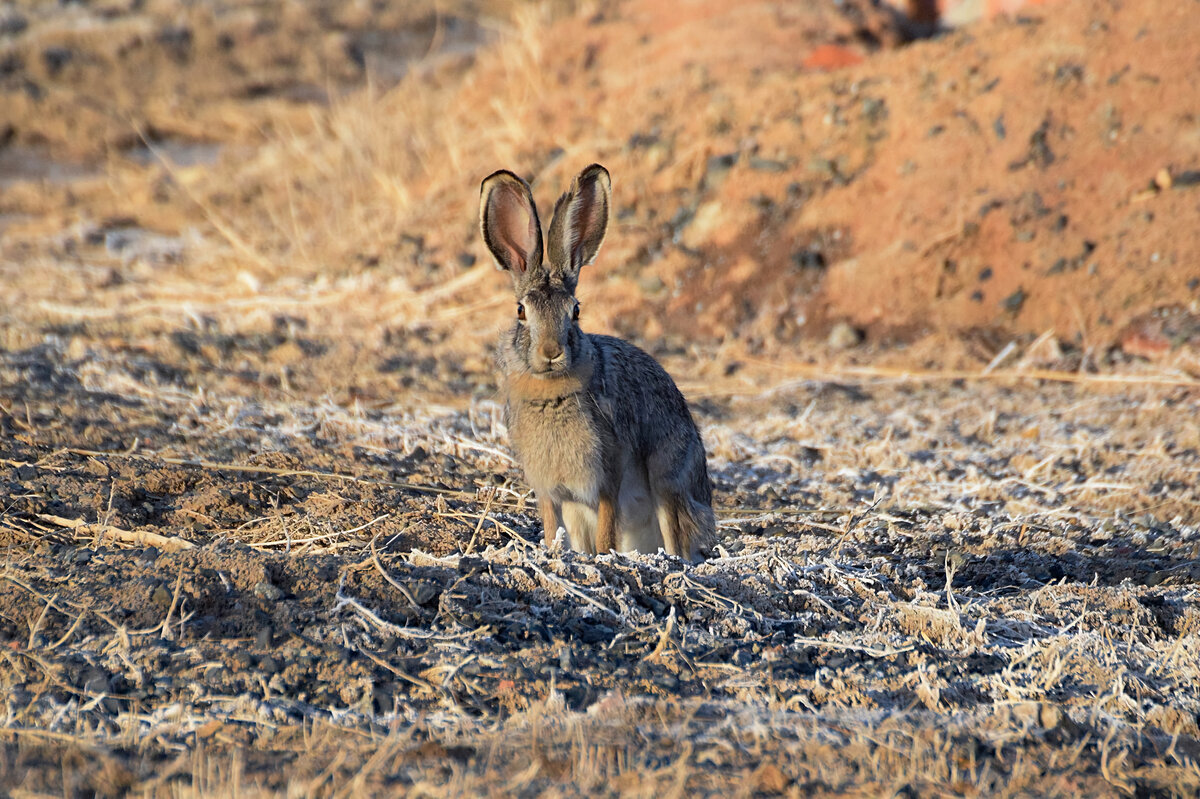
[575, 313]
[521, 312]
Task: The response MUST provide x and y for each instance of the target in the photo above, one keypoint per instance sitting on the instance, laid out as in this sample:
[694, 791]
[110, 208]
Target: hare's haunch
[604, 436]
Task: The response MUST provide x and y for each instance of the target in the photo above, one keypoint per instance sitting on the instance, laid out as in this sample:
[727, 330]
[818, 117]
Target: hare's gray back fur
[604, 436]
[630, 411]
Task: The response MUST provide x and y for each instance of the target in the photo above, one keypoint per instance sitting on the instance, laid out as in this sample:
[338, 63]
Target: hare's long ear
[580, 221]
[509, 223]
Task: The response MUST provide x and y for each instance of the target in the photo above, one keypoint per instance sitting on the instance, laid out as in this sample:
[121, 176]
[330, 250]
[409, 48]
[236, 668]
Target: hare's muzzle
[550, 353]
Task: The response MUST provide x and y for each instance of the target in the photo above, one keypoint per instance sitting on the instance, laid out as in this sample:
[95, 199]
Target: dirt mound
[1023, 176]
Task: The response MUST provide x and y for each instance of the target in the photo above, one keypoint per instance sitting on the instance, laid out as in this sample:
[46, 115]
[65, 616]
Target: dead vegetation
[966, 587]
[261, 531]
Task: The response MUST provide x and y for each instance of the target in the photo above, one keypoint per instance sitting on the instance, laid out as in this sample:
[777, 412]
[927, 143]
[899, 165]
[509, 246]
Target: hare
[602, 432]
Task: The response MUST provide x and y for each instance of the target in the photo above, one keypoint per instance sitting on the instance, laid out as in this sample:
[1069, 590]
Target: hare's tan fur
[602, 432]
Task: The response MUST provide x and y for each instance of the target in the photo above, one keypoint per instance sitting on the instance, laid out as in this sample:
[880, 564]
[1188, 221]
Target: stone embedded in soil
[843, 336]
[268, 591]
[1013, 302]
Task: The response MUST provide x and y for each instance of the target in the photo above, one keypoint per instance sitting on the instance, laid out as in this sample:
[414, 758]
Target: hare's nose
[551, 350]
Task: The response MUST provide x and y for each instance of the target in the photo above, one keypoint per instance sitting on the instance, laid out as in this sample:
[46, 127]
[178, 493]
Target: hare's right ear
[509, 223]
[579, 223]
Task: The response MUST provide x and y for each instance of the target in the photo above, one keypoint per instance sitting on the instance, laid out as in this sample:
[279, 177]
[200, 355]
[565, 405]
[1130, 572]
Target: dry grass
[262, 535]
[969, 588]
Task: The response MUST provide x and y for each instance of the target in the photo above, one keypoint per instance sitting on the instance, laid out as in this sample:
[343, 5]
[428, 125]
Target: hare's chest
[560, 449]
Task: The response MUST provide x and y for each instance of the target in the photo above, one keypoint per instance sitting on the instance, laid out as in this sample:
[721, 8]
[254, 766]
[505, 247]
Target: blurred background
[283, 195]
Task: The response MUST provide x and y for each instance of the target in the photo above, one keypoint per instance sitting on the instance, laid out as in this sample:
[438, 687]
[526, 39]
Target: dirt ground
[935, 303]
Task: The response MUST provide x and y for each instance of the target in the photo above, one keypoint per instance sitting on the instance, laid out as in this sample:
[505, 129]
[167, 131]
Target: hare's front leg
[550, 519]
[606, 524]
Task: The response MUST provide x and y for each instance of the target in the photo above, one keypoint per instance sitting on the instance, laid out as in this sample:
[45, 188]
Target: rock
[55, 58]
[809, 258]
[768, 778]
[717, 168]
[160, 596]
[768, 164]
[268, 591]
[176, 40]
[1013, 302]
[94, 680]
[843, 336]
[12, 23]
[1026, 713]
[651, 284]
[1050, 716]
[705, 221]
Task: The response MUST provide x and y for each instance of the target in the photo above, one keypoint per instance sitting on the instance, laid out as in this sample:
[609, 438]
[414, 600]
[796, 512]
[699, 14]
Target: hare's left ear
[509, 223]
[580, 221]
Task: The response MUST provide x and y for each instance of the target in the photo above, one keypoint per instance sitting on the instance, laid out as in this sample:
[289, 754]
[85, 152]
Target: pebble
[1026, 713]
[56, 58]
[843, 336]
[718, 166]
[809, 259]
[268, 591]
[94, 680]
[1051, 716]
[768, 164]
[12, 23]
[1013, 302]
[160, 596]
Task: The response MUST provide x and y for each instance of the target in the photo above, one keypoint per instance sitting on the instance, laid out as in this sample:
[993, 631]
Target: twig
[401, 673]
[139, 537]
[570, 589]
[1000, 358]
[853, 521]
[37, 625]
[663, 639]
[344, 601]
[463, 516]
[50, 735]
[866, 650]
[166, 625]
[462, 442]
[402, 589]
[487, 506]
